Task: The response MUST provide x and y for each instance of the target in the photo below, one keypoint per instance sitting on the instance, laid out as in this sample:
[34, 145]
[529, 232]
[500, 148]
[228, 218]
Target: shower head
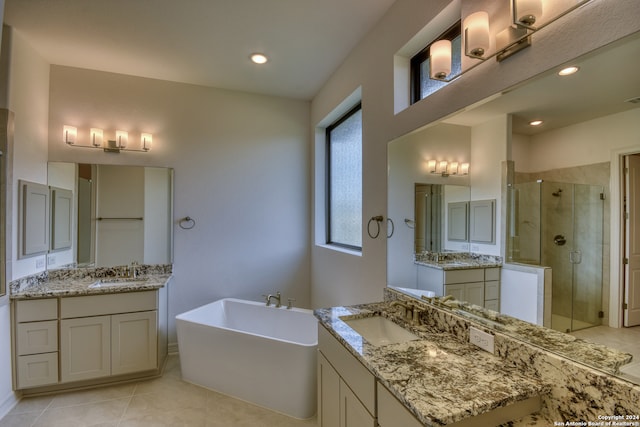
[557, 193]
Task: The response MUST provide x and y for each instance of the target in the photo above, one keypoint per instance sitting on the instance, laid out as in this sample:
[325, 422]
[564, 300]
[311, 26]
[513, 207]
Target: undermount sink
[116, 281]
[378, 330]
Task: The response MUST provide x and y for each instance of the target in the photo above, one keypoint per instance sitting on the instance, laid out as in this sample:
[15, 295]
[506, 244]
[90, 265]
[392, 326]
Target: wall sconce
[445, 169]
[96, 139]
[70, 133]
[440, 59]
[146, 139]
[526, 12]
[476, 34]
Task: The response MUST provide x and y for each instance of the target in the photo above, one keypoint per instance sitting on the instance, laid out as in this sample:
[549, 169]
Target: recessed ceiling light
[535, 122]
[568, 71]
[259, 58]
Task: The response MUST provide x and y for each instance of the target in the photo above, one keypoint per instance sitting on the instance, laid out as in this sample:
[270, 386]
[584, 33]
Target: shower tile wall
[594, 174]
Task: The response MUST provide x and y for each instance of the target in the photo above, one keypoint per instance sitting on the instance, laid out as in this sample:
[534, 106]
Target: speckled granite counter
[87, 286]
[439, 378]
[457, 260]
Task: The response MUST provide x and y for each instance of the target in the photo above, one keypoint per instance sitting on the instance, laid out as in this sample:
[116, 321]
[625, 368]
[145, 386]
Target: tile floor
[625, 339]
[166, 401]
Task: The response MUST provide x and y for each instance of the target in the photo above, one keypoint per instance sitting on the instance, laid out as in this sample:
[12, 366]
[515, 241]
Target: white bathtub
[263, 355]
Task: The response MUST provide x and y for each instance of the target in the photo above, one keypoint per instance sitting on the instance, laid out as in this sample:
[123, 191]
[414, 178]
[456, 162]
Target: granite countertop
[66, 287]
[457, 260]
[440, 379]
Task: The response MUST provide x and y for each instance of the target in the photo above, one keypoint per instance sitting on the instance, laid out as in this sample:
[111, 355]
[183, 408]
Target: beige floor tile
[32, 404]
[83, 415]
[19, 420]
[187, 417]
[93, 395]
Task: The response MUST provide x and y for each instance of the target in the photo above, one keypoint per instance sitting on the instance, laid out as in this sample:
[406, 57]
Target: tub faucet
[276, 297]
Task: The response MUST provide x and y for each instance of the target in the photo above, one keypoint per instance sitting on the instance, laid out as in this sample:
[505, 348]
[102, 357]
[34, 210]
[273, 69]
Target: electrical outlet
[475, 248]
[481, 339]
[51, 260]
[40, 263]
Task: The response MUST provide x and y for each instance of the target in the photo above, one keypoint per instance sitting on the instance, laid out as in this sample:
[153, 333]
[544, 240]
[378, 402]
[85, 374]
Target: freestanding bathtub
[263, 355]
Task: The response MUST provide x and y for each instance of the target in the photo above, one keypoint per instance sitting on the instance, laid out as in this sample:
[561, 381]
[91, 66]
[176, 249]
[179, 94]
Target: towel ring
[187, 223]
[393, 227]
[378, 219]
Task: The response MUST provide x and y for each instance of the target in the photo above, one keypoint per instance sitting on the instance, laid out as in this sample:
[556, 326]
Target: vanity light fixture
[476, 34]
[96, 140]
[568, 71]
[445, 169]
[440, 59]
[477, 37]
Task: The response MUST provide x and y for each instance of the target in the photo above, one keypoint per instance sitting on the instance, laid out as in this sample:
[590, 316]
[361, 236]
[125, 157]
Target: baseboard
[172, 348]
[8, 404]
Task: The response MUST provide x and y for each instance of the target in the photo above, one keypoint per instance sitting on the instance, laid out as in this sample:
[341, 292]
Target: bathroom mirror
[552, 175]
[122, 214]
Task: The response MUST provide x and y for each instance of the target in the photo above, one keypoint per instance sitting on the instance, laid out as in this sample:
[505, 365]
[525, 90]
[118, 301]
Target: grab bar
[138, 218]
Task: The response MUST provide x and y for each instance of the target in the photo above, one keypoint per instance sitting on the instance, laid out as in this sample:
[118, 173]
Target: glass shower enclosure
[560, 225]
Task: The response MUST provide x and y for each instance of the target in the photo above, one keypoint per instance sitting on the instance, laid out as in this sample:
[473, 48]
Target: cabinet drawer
[37, 309]
[357, 377]
[492, 274]
[392, 413]
[97, 305]
[464, 276]
[37, 337]
[37, 370]
[491, 290]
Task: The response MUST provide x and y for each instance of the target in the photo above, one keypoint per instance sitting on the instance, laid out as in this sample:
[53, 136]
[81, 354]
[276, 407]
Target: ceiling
[203, 42]
[607, 79]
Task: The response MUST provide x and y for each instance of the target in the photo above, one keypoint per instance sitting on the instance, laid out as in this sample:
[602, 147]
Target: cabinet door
[37, 369]
[328, 394]
[85, 348]
[134, 344]
[456, 291]
[392, 413]
[474, 293]
[33, 217]
[352, 411]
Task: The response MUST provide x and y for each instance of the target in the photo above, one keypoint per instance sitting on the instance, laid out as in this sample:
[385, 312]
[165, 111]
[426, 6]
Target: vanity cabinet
[90, 339]
[346, 389]
[479, 286]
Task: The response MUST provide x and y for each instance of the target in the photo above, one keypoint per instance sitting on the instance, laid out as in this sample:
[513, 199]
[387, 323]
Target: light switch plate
[481, 339]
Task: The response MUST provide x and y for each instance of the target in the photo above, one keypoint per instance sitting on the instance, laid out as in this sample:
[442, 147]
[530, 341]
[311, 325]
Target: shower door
[571, 244]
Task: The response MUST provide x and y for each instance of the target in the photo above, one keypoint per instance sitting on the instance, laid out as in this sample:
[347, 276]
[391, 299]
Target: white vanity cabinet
[121, 340]
[36, 342]
[479, 286]
[346, 389]
[91, 339]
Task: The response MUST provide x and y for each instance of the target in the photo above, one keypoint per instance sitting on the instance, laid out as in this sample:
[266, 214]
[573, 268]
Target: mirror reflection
[560, 217]
[122, 214]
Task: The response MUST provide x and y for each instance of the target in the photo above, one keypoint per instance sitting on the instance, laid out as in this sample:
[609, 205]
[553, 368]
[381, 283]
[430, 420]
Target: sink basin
[111, 282]
[379, 330]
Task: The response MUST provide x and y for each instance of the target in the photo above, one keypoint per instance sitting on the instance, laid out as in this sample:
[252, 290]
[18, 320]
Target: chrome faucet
[276, 297]
[133, 271]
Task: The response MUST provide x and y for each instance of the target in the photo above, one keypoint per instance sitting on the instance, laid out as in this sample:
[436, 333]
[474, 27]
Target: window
[421, 84]
[344, 180]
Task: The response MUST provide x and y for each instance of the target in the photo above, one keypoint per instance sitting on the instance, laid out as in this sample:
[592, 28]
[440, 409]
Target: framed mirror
[562, 169]
[121, 214]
